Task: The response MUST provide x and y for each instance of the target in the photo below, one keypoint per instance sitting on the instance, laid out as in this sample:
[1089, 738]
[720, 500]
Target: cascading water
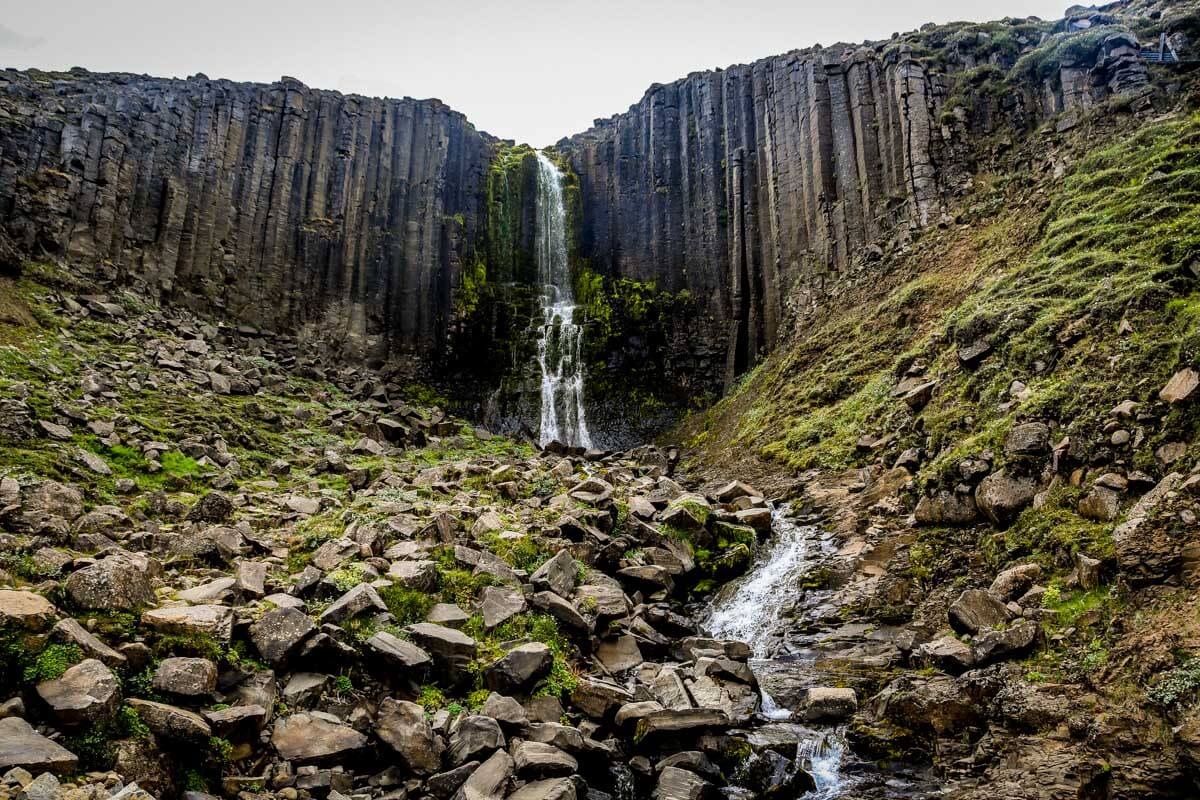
[755, 611]
[560, 340]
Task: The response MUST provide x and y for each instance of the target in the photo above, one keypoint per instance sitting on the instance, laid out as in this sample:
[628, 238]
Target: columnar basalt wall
[738, 184]
[758, 186]
[276, 206]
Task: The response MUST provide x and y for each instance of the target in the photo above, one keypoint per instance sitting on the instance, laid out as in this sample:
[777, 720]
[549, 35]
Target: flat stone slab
[22, 746]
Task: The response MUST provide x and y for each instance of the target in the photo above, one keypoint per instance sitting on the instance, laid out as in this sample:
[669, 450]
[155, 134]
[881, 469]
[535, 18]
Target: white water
[824, 763]
[560, 340]
[754, 613]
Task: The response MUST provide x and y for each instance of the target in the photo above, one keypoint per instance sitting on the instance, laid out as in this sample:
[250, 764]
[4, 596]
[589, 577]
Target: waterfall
[754, 612]
[560, 340]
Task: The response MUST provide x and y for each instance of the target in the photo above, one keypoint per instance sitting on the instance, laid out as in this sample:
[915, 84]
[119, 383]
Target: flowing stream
[560, 340]
[757, 610]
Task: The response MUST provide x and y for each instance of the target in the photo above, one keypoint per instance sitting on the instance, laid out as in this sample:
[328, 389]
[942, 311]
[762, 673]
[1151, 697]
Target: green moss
[408, 606]
[52, 662]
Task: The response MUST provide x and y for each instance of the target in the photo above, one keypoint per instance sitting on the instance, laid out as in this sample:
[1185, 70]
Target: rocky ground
[229, 569]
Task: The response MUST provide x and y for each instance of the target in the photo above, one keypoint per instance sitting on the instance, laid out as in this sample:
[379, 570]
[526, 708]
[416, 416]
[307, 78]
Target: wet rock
[25, 610]
[315, 738]
[404, 727]
[829, 704]
[23, 747]
[976, 610]
[87, 694]
[519, 668]
[769, 774]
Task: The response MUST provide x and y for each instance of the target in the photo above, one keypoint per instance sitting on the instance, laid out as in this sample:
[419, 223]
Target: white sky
[529, 70]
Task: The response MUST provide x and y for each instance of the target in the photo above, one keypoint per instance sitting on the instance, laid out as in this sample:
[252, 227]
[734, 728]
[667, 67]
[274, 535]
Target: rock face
[359, 221]
[277, 204]
[22, 746]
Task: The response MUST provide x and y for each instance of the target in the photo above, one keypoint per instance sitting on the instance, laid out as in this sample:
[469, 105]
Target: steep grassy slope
[1082, 287]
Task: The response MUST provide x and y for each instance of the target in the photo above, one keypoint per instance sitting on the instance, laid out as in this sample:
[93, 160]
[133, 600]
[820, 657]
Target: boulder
[1028, 439]
[946, 652]
[828, 704]
[25, 610]
[619, 654]
[23, 747]
[1016, 581]
[474, 735]
[556, 575]
[315, 738]
[549, 789]
[597, 697]
[683, 720]
[498, 604]
[86, 694]
[280, 634]
[68, 631]
[399, 653]
[186, 677]
[562, 610]
[171, 723]
[946, 508]
[1100, 504]
[519, 668]
[114, 583]
[977, 610]
[1000, 645]
[680, 784]
[213, 507]
[450, 648]
[361, 599]
[215, 622]
[1001, 496]
[419, 575]
[539, 760]
[1181, 387]
[490, 780]
[404, 727]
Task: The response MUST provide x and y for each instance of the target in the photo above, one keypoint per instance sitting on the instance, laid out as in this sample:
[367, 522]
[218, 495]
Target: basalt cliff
[916, 324]
[392, 229]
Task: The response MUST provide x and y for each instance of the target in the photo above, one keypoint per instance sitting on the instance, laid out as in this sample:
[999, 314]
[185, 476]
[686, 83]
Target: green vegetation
[408, 606]
[1048, 290]
[1176, 686]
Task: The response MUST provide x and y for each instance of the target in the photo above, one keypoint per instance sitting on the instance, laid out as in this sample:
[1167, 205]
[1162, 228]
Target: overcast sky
[528, 70]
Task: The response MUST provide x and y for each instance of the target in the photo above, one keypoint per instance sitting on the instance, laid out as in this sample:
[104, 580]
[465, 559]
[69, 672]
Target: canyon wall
[275, 206]
[392, 229]
[757, 186]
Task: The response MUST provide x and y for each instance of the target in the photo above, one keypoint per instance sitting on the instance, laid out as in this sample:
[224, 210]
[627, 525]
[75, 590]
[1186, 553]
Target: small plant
[408, 606]
[1176, 685]
[343, 685]
[432, 698]
[52, 662]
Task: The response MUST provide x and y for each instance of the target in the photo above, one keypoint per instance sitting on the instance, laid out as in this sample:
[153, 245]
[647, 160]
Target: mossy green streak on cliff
[1047, 284]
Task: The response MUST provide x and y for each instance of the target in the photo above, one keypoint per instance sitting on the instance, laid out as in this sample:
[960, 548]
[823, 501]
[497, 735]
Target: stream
[786, 625]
